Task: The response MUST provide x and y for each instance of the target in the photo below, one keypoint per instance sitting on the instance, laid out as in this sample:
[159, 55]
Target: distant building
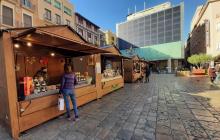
[110, 38]
[28, 13]
[154, 34]
[87, 29]
[205, 29]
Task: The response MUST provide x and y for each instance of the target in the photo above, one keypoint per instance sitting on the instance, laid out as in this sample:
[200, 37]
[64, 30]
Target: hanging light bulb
[52, 54]
[29, 44]
[16, 45]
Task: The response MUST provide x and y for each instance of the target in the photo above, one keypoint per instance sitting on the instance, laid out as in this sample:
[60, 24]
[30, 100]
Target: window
[57, 4]
[88, 25]
[58, 19]
[80, 20]
[26, 3]
[89, 36]
[27, 20]
[48, 1]
[67, 22]
[67, 11]
[7, 15]
[80, 31]
[47, 14]
[218, 27]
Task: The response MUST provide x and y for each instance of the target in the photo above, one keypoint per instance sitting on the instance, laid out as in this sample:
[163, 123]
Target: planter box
[198, 72]
[183, 73]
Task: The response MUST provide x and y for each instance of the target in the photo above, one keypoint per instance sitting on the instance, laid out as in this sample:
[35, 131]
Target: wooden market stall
[27, 99]
[112, 77]
[133, 69]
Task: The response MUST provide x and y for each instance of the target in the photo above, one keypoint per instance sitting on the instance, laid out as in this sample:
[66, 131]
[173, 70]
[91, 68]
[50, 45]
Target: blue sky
[106, 13]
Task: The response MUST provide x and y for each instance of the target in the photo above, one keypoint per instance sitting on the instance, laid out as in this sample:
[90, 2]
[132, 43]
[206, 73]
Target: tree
[199, 59]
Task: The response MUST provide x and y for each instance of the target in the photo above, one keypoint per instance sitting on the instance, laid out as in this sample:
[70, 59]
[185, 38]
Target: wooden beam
[11, 84]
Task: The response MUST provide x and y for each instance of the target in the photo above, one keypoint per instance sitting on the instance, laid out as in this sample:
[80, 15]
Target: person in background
[212, 73]
[147, 73]
[67, 90]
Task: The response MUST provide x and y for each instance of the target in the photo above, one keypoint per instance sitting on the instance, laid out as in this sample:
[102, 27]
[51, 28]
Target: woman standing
[67, 90]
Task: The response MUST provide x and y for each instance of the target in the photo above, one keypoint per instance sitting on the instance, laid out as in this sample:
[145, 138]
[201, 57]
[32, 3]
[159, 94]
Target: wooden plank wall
[3, 92]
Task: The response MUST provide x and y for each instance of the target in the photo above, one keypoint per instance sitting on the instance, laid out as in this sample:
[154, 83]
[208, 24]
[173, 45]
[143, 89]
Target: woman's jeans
[66, 93]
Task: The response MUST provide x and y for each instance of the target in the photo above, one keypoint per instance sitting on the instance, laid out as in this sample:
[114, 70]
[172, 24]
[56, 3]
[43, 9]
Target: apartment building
[110, 38]
[56, 12]
[87, 29]
[205, 29]
[27, 13]
[18, 13]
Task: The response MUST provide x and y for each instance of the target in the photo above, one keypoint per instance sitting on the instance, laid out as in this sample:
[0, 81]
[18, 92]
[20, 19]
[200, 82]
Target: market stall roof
[57, 36]
[114, 52]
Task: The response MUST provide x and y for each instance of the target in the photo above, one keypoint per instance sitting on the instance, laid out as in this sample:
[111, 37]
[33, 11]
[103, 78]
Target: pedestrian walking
[147, 73]
[67, 90]
[212, 74]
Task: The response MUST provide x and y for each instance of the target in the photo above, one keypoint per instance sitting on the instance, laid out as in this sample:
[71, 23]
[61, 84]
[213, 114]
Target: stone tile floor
[167, 108]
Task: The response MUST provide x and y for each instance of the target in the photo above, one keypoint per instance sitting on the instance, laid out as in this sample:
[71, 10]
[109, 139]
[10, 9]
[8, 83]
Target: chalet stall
[32, 62]
[133, 69]
[112, 77]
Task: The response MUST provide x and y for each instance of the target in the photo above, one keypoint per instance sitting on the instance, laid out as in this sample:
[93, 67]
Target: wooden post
[98, 77]
[11, 89]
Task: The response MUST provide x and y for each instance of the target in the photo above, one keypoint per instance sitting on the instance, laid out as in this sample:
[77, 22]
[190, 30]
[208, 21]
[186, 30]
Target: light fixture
[52, 54]
[16, 45]
[29, 44]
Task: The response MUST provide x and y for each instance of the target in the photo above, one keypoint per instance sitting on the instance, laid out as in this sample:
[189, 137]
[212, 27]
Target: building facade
[205, 29]
[154, 34]
[28, 13]
[87, 29]
[110, 38]
[18, 13]
[56, 12]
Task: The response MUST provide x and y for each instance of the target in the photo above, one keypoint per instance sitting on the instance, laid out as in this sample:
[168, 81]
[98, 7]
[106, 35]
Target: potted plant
[198, 60]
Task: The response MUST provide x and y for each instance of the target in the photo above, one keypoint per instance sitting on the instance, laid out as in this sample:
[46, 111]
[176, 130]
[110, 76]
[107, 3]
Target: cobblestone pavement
[163, 109]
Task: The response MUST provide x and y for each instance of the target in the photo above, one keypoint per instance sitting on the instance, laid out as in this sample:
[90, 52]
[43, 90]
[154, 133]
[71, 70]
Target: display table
[111, 84]
[35, 111]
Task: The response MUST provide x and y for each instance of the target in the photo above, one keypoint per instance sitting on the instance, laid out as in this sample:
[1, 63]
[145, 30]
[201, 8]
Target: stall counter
[111, 84]
[35, 111]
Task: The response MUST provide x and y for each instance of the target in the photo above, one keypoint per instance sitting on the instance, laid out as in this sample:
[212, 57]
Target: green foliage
[199, 59]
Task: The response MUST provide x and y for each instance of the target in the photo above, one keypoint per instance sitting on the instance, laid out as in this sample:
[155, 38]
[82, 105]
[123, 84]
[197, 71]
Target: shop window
[27, 20]
[7, 16]
[58, 19]
[47, 14]
[57, 4]
[67, 11]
